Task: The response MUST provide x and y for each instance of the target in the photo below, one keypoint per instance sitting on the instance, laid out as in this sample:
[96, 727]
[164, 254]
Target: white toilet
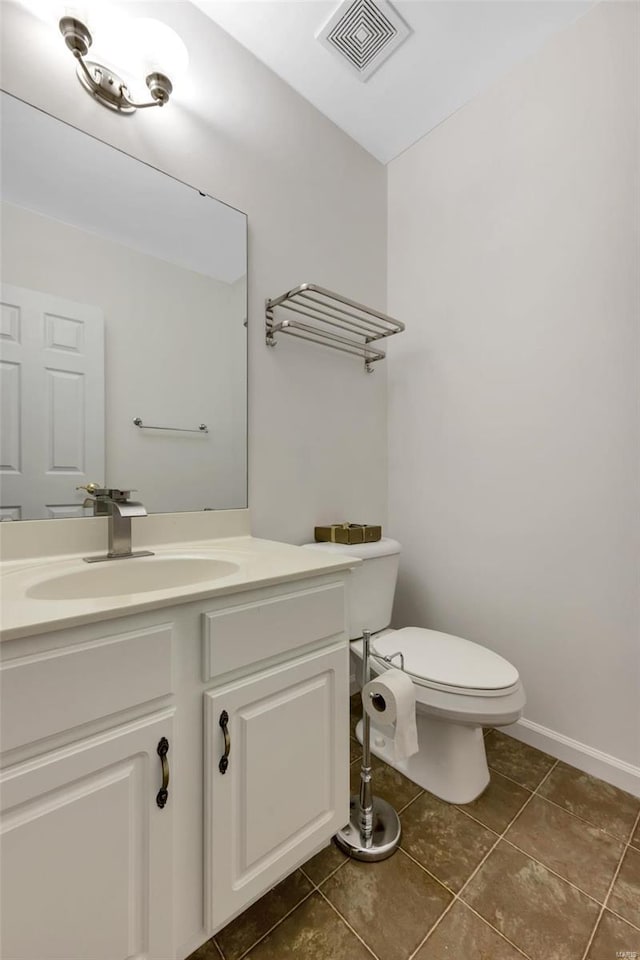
[460, 686]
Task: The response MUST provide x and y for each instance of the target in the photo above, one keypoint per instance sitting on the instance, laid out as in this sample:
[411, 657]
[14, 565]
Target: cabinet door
[86, 853]
[286, 786]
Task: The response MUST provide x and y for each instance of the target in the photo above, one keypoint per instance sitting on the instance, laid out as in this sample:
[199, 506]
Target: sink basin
[125, 577]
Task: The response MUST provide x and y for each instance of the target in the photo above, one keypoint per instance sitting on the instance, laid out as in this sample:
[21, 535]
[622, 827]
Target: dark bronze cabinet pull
[224, 759]
[163, 793]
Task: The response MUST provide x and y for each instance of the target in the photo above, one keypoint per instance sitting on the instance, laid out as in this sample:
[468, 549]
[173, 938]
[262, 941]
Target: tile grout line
[408, 804]
[611, 886]
[317, 889]
[431, 877]
[451, 893]
[554, 764]
[528, 854]
[444, 887]
[589, 823]
[427, 871]
[541, 863]
[495, 930]
[218, 948]
[456, 899]
[517, 782]
[624, 919]
[328, 876]
[457, 896]
[632, 834]
[346, 923]
[272, 928]
[481, 824]
[558, 806]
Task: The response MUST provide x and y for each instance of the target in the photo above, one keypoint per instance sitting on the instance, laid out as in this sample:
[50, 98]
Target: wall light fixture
[104, 84]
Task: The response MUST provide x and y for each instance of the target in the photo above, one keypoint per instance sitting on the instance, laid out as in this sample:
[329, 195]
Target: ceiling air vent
[364, 34]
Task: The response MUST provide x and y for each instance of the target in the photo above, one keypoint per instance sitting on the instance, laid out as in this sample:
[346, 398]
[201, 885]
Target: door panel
[65, 433]
[86, 854]
[10, 439]
[286, 788]
[52, 354]
[279, 806]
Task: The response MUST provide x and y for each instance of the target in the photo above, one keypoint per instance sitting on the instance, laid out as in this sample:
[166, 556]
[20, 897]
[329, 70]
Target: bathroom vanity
[173, 728]
[167, 755]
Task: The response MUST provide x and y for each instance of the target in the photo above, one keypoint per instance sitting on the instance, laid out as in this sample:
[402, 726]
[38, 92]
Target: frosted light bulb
[110, 30]
[158, 48]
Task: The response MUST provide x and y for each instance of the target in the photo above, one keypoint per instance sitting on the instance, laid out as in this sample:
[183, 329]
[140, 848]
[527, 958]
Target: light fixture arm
[103, 84]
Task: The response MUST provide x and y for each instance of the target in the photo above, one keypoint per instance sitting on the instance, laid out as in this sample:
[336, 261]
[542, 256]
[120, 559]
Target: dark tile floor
[544, 865]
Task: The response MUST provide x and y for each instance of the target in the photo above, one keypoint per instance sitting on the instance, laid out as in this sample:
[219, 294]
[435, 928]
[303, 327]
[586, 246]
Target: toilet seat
[471, 706]
[444, 662]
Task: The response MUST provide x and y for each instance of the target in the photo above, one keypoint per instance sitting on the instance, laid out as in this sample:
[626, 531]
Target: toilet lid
[447, 661]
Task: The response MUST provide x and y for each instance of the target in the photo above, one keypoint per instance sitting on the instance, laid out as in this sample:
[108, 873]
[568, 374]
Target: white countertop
[260, 563]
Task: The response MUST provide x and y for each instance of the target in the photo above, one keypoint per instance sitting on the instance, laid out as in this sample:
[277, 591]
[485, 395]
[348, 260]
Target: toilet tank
[372, 583]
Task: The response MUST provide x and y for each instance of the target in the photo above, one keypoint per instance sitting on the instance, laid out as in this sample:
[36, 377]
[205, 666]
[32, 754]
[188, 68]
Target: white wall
[514, 260]
[317, 212]
[153, 369]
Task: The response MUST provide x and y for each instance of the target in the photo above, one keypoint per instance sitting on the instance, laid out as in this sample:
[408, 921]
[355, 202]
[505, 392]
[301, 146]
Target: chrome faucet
[116, 505]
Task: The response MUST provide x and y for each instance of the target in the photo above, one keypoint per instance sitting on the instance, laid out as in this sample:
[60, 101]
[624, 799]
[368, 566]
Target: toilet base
[451, 761]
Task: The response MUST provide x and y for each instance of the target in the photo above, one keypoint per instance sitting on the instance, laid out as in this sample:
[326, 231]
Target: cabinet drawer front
[46, 693]
[246, 634]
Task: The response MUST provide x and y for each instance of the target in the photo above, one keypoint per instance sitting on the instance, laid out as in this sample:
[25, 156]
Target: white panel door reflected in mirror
[53, 361]
[92, 237]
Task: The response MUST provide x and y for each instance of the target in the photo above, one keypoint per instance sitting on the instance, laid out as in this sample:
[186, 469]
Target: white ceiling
[457, 49]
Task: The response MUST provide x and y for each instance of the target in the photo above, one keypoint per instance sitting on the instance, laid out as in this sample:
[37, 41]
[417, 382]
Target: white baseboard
[603, 765]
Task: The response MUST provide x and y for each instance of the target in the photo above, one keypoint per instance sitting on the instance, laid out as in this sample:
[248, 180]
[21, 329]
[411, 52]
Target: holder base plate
[386, 832]
[106, 86]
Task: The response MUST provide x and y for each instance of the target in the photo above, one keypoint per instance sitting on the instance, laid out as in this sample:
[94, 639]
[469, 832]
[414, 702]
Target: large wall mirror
[123, 341]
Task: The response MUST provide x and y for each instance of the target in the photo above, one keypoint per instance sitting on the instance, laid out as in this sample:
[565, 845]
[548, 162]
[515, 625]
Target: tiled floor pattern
[545, 865]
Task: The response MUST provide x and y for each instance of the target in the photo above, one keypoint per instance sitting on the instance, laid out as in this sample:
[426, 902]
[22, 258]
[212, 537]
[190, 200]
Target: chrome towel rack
[203, 428]
[332, 320]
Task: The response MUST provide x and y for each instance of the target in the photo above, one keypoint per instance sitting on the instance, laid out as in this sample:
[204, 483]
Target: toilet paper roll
[391, 700]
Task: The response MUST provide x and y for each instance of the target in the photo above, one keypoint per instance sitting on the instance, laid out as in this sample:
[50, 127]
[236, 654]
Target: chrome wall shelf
[321, 316]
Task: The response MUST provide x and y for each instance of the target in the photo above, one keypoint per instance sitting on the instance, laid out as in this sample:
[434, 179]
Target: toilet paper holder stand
[373, 831]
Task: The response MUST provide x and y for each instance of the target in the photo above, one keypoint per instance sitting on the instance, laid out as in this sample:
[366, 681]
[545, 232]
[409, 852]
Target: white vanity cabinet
[92, 867]
[86, 853]
[86, 841]
[278, 787]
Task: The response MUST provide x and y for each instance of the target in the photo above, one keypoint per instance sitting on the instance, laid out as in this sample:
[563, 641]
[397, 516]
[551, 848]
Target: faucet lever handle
[119, 495]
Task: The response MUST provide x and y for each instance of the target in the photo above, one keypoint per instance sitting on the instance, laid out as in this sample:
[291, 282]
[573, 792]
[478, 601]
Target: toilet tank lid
[364, 551]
